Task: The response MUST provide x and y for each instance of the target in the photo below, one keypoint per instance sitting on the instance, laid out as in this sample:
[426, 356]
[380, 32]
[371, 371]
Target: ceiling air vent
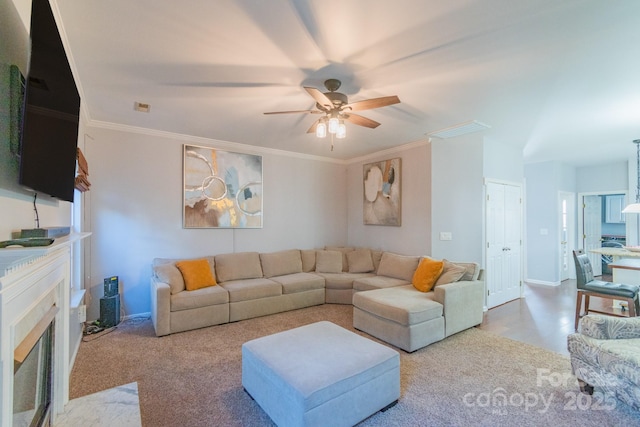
[459, 129]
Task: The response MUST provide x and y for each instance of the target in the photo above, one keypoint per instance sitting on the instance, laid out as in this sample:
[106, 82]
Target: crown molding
[389, 151]
[235, 146]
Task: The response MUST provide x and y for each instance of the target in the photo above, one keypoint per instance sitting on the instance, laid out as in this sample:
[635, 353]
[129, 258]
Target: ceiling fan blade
[369, 104]
[312, 129]
[296, 112]
[362, 121]
[320, 97]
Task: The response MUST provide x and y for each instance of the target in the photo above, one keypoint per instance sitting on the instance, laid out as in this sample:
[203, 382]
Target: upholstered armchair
[605, 355]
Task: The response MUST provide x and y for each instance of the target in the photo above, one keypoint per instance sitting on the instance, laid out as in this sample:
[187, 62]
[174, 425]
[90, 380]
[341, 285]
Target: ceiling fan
[335, 108]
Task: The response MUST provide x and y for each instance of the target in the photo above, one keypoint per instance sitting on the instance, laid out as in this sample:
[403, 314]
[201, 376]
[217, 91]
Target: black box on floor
[110, 311]
[110, 286]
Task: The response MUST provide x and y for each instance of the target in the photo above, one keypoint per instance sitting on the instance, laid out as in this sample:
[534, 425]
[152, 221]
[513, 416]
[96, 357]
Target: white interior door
[504, 243]
[567, 228]
[592, 234]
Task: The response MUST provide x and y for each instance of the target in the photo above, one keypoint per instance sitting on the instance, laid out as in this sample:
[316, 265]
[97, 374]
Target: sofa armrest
[160, 307]
[610, 328]
[463, 304]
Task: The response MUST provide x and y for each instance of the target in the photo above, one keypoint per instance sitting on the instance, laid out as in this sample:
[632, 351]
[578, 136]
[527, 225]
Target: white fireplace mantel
[32, 280]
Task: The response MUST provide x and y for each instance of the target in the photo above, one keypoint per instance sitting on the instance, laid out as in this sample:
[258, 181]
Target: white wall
[135, 209]
[457, 198]
[502, 162]
[413, 236]
[604, 177]
[542, 213]
[544, 181]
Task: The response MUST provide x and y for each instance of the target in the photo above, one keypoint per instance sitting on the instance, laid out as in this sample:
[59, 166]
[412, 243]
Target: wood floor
[544, 317]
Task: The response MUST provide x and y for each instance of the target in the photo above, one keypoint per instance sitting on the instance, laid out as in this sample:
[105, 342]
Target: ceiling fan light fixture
[334, 108]
[333, 124]
[321, 130]
[342, 130]
[632, 208]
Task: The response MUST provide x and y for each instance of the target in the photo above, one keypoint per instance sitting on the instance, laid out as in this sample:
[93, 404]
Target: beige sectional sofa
[252, 284]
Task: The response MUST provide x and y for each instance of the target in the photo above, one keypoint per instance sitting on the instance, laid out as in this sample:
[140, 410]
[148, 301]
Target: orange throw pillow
[196, 274]
[426, 274]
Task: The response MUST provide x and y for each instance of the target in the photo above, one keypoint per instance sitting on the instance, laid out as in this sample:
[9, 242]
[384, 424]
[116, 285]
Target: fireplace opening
[32, 383]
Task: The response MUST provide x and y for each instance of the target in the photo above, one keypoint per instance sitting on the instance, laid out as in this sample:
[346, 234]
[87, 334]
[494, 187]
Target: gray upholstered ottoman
[320, 375]
[401, 316]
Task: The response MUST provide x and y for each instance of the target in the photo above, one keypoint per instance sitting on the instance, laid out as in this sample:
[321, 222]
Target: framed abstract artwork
[382, 199]
[221, 189]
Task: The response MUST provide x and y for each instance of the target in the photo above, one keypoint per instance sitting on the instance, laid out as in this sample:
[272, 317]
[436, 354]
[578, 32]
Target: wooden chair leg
[632, 307]
[578, 308]
[587, 300]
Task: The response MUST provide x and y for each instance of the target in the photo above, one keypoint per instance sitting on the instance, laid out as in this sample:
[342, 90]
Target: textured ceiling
[560, 79]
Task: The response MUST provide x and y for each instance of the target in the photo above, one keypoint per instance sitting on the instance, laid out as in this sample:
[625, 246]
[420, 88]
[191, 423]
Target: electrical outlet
[82, 313]
[446, 235]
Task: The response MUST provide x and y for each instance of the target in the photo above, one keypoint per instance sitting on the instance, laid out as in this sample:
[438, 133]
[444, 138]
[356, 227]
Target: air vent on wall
[459, 129]
[143, 108]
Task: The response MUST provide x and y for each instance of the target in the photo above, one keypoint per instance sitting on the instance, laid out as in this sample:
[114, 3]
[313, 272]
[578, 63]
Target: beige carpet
[472, 378]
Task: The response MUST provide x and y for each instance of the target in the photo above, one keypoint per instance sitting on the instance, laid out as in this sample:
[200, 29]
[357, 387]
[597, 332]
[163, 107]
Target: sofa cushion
[404, 305]
[238, 266]
[360, 261]
[377, 282]
[398, 266]
[376, 256]
[250, 289]
[196, 274]
[204, 297]
[427, 273]
[450, 273]
[472, 270]
[281, 263]
[344, 250]
[167, 272]
[308, 260]
[328, 262]
[342, 280]
[299, 282]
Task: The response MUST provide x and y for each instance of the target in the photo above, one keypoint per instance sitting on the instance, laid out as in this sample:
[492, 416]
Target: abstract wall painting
[382, 192]
[222, 189]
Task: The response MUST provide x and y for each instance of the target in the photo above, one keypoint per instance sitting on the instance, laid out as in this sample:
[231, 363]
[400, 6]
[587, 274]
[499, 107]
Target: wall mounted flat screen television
[49, 134]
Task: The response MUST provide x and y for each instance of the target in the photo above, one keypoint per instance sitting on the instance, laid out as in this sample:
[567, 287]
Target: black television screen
[51, 114]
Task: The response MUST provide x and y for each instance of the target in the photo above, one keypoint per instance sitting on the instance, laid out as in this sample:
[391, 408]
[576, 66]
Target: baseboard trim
[137, 316]
[74, 353]
[542, 282]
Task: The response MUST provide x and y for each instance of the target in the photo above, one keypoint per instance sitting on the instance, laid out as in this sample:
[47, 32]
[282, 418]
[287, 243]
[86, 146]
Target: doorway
[602, 224]
[504, 242]
[567, 234]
